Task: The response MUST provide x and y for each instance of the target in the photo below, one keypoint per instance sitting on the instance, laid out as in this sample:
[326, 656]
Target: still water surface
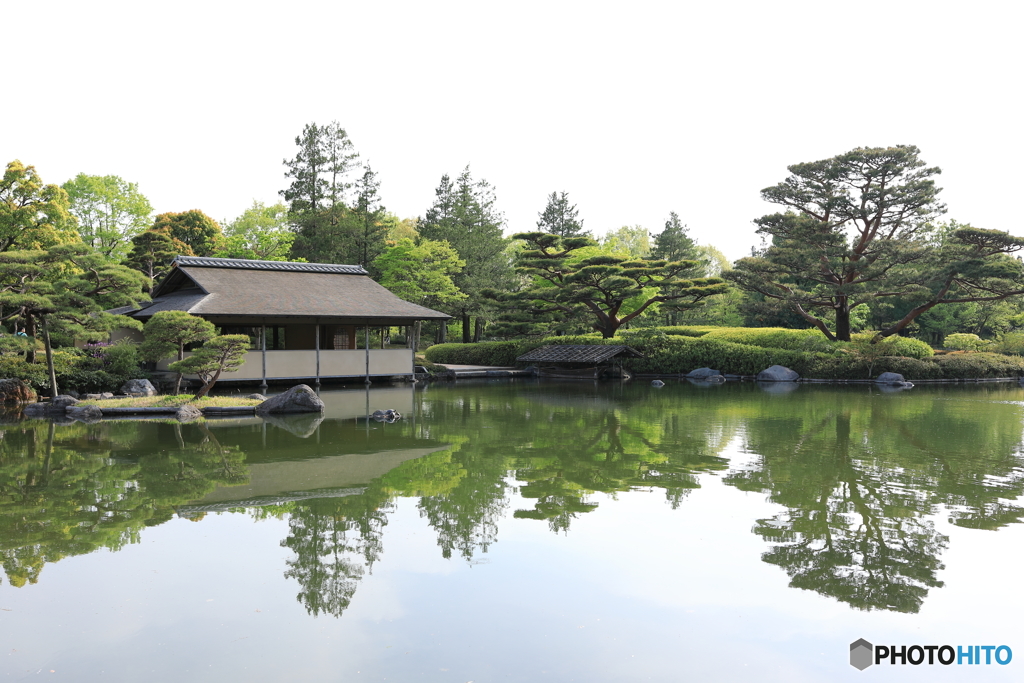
[519, 531]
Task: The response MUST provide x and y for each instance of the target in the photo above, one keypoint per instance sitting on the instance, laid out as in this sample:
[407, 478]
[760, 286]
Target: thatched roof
[574, 353]
[237, 288]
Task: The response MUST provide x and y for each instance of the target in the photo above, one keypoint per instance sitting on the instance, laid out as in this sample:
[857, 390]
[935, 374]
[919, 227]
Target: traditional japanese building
[306, 321]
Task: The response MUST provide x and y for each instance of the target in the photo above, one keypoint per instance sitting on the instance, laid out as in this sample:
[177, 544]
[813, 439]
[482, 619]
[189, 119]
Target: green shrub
[481, 353]
[1011, 343]
[962, 341]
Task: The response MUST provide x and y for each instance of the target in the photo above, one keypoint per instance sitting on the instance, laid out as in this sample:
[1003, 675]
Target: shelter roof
[576, 353]
[242, 288]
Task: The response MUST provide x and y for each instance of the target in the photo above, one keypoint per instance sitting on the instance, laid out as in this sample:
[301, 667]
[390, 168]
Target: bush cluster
[93, 369]
[796, 340]
[668, 352]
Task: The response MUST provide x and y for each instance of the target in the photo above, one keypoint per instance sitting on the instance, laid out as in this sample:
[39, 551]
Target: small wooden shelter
[579, 361]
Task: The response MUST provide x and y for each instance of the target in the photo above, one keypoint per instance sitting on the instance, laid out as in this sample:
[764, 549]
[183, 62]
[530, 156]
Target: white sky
[634, 109]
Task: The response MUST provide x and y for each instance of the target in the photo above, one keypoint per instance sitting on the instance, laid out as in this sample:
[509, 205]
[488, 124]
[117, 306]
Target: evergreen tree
[370, 229]
[464, 214]
[674, 243]
[560, 218]
[325, 158]
[152, 253]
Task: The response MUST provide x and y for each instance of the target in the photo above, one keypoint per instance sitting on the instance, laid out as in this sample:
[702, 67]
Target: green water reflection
[861, 476]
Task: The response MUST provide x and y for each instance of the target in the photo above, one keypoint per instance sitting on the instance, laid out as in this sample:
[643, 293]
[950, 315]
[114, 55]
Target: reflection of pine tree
[860, 476]
[335, 541]
[854, 530]
[466, 517]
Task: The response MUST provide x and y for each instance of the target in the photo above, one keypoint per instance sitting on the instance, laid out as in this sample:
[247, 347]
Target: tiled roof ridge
[288, 266]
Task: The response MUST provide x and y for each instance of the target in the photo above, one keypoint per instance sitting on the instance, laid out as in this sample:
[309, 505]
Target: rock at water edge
[777, 373]
[16, 391]
[298, 399]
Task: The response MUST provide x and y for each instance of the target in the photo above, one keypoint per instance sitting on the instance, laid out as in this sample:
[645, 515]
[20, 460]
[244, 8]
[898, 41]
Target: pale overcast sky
[634, 109]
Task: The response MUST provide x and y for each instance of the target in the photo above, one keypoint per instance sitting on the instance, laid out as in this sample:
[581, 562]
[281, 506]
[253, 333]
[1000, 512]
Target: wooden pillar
[263, 340]
[366, 346]
[318, 352]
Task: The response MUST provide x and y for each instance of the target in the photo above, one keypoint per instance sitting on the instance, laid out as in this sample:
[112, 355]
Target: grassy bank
[172, 402]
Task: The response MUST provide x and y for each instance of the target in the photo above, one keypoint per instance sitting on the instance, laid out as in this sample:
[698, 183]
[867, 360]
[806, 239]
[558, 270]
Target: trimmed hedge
[481, 353]
[677, 354]
[795, 340]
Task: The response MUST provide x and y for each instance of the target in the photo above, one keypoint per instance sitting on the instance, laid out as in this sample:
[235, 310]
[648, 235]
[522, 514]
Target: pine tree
[464, 214]
[560, 218]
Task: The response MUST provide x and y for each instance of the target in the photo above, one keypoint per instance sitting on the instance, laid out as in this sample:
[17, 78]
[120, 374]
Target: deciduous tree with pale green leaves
[110, 211]
[261, 233]
[422, 273]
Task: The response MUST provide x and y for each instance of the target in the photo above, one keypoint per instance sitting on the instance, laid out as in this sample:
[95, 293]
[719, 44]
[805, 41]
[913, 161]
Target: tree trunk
[30, 330]
[465, 328]
[177, 380]
[49, 359]
[478, 329]
[842, 319]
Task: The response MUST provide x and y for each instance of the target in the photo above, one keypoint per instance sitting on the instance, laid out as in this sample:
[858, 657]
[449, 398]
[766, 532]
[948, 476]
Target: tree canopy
[110, 211]
[859, 227]
[193, 228]
[560, 217]
[33, 215]
[599, 287]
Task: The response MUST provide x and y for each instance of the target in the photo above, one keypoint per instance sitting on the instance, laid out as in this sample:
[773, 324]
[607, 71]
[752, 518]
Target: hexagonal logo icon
[862, 654]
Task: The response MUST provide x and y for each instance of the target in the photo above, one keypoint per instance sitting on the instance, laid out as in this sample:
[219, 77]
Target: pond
[520, 531]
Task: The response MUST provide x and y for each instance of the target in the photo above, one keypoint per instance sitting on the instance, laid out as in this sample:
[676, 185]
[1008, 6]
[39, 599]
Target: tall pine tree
[560, 218]
[464, 214]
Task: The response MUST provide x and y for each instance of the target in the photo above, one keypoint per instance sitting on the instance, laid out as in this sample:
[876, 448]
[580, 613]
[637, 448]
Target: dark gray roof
[575, 353]
[209, 287]
[244, 264]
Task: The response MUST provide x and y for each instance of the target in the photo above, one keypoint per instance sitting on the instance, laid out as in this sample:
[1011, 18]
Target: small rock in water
[390, 415]
[657, 383]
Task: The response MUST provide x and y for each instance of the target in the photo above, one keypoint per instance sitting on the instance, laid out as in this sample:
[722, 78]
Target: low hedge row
[676, 354]
[795, 340]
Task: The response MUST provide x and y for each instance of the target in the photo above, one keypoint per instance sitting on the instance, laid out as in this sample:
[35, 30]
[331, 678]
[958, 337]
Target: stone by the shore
[187, 413]
[56, 406]
[657, 383]
[702, 373]
[138, 387]
[298, 399]
[16, 391]
[258, 397]
[84, 413]
[777, 373]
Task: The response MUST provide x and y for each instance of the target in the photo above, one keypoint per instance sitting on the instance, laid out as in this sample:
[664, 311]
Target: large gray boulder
[16, 391]
[777, 373]
[84, 413]
[702, 373]
[188, 413]
[890, 378]
[298, 399]
[138, 387]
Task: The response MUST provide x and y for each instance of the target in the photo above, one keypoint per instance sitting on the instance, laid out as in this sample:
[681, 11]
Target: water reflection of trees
[861, 474]
[70, 489]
